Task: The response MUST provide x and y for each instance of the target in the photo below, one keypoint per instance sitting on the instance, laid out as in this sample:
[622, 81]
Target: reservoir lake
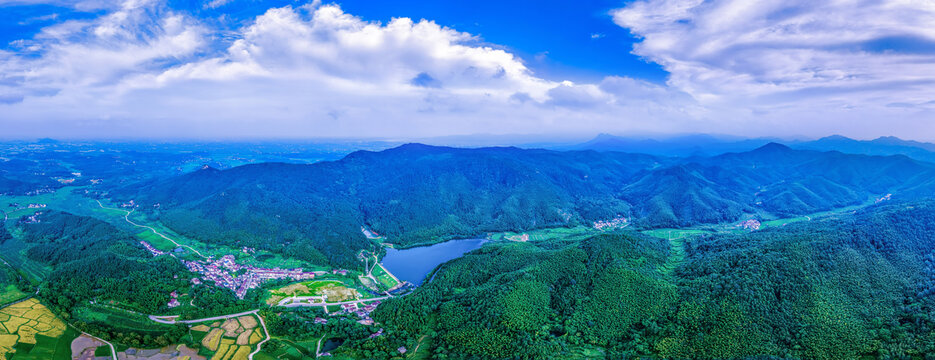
[413, 264]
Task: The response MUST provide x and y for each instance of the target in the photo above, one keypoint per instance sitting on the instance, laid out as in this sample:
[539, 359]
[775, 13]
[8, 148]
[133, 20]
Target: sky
[236, 69]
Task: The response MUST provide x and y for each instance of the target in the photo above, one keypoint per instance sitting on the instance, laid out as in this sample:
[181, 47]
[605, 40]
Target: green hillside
[421, 194]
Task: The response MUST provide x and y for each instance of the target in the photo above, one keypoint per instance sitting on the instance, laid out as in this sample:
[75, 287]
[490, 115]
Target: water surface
[414, 264]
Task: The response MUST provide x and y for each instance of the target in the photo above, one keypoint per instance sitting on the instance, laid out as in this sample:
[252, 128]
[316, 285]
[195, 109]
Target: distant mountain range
[709, 145]
[417, 193]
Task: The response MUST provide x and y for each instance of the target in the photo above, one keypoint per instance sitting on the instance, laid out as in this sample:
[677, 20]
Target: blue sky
[409, 69]
[557, 39]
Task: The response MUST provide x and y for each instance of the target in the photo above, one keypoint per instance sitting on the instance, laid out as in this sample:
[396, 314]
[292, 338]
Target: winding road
[259, 346]
[283, 304]
[113, 350]
[127, 218]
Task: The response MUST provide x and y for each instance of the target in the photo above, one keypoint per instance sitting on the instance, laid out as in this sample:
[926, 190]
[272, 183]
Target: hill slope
[417, 193]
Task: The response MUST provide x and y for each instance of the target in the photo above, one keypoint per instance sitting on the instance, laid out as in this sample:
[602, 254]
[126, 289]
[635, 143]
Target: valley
[589, 263]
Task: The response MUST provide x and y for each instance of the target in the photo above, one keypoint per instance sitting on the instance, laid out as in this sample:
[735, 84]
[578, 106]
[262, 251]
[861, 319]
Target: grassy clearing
[579, 232]
[383, 276]
[155, 240]
[68, 198]
[13, 251]
[120, 319]
[674, 233]
[332, 289]
[10, 294]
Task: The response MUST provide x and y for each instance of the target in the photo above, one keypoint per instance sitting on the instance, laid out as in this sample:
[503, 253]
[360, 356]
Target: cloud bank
[145, 70]
[825, 65]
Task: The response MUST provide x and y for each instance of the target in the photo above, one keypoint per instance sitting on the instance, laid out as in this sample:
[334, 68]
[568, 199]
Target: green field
[64, 199]
[47, 347]
[155, 240]
[10, 294]
[13, 251]
[319, 287]
[579, 232]
[119, 319]
[383, 277]
[674, 233]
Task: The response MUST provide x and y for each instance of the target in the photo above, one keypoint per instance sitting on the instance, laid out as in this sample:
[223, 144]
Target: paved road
[260, 344]
[113, 351]
[163, 319]
[318, 348]
[327, 304]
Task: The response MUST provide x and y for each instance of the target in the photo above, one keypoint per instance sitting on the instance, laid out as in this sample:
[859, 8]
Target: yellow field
[232, 338]
[212, 340]
[221, 352]
[244, 338]
[231, 327]
[248, 322]
[274, 299]
[241, 353]
[294, 289]
[256, 337]
[339, 293]
[21, 322]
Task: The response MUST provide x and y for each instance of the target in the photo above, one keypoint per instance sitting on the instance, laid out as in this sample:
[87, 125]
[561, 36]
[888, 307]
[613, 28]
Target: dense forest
[93, 262]
[841, 288]
[417, 194]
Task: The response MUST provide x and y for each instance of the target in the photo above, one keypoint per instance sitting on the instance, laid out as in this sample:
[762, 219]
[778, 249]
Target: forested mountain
[681, 146]
[708, 145]
[417, 193]
[841, 288]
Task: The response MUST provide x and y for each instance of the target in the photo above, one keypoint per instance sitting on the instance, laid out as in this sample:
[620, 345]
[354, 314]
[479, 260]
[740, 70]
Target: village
[224, 273]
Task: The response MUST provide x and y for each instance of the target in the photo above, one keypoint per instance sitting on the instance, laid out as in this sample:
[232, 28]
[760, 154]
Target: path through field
[127, 218]
[260, 344]
[676, 253]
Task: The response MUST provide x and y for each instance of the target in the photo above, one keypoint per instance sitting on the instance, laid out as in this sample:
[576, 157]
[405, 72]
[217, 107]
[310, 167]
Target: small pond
[331, 344]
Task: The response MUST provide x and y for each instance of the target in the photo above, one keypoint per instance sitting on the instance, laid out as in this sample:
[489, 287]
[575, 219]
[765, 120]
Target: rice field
[28, 330]
[231, 339]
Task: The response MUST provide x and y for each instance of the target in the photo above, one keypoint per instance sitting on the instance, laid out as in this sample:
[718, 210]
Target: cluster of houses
[33, 219]
[223, 272]
[361, 310]
[615, 223]
[370, 234]
[752, 224]
[152, 250]
[174, 299]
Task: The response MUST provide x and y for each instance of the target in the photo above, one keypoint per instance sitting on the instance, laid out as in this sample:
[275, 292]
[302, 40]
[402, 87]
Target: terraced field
[28, 330]
[231, 339]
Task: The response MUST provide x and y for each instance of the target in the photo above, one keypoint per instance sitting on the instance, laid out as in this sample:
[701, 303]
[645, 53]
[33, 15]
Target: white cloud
[837, 63]
[214, 4]
[314, 70]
